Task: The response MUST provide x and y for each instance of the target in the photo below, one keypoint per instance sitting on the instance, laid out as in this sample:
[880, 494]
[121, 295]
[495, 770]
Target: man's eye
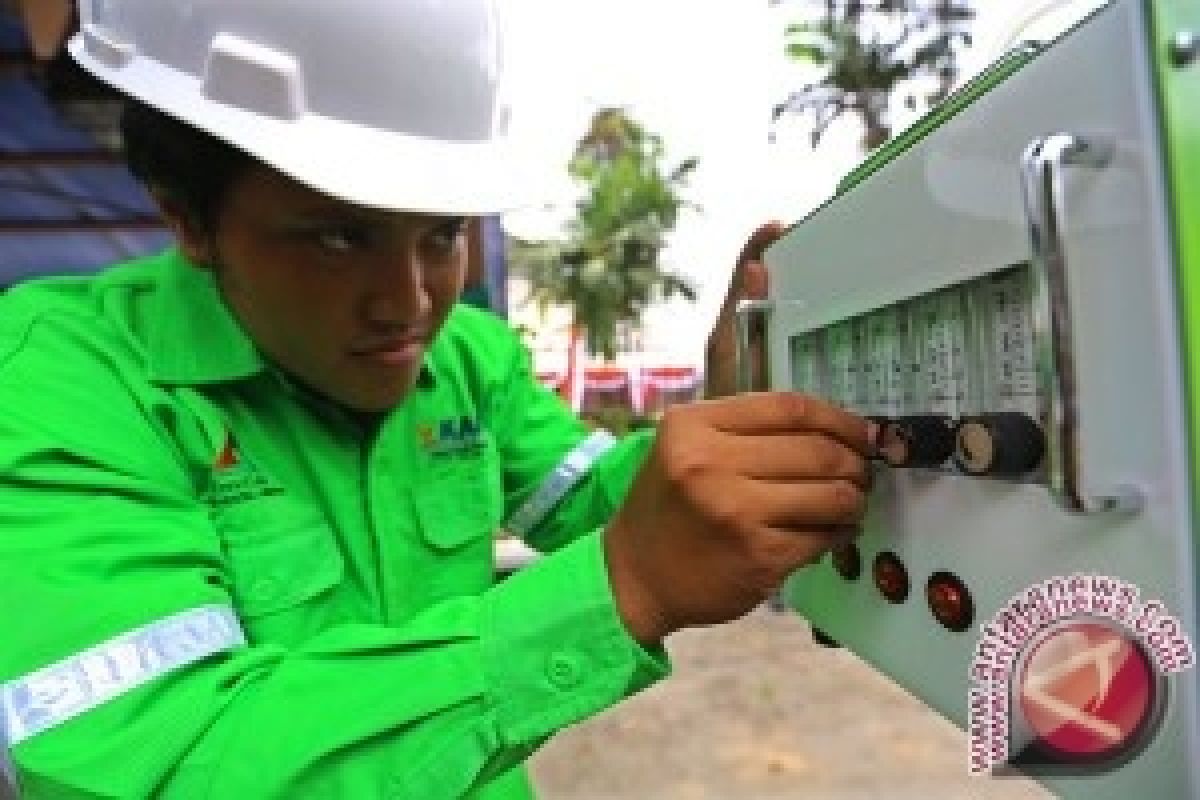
[341, 238]
[447, 233]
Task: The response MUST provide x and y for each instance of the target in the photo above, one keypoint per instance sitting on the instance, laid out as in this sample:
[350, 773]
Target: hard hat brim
[355, 163]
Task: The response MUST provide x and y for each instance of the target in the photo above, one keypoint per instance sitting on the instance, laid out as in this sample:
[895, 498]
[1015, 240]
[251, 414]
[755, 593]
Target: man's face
[343, 298]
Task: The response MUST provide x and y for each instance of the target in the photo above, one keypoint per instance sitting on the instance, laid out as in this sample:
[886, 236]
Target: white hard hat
[392, 104]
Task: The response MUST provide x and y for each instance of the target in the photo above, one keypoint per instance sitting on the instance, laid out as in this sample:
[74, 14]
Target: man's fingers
[793, 457]
[780, 552]
[764, 413]
[809, 505]
[747, 504]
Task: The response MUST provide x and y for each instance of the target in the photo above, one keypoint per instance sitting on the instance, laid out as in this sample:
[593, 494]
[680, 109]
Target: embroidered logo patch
[235, 479]
[453, 436]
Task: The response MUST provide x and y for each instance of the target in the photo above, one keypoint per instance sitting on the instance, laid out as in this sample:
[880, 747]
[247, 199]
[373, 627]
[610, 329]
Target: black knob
[1003, 444]
[921, 440]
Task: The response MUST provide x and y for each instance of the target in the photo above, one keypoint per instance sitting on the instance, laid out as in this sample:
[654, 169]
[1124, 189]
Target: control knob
[1002, 444]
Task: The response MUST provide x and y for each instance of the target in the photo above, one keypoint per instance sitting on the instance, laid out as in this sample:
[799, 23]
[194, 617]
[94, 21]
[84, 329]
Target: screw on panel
[1184, 48]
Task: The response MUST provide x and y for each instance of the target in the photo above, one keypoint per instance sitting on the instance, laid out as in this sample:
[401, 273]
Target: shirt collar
[195, 338]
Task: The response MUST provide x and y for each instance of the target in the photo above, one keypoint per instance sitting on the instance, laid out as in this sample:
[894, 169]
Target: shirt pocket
[283, 572]
[460, 500]
[459, 507]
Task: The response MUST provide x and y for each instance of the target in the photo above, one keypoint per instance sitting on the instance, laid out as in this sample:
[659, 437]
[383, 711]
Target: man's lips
[392, 351]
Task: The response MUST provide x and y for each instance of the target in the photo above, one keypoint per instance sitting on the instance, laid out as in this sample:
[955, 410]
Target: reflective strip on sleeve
[558, 483]
[65, 689]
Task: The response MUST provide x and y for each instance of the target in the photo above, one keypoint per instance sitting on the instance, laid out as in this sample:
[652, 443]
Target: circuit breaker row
[952, 375]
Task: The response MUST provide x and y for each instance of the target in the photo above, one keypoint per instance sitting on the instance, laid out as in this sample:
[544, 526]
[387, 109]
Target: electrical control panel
[951, 375]
[1004, 289]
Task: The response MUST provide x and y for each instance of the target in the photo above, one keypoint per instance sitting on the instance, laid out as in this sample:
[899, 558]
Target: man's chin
[377, 399]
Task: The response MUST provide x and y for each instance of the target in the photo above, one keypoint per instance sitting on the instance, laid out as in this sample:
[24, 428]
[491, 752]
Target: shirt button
[564, 670]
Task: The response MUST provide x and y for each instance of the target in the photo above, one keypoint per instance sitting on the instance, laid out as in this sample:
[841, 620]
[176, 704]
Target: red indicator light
[950, 601]
[891, 578]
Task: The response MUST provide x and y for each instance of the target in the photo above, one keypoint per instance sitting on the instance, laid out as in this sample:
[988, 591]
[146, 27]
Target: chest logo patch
[453, 436]
[236, 479]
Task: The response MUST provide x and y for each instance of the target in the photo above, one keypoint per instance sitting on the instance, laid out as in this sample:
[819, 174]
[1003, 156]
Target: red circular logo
[1087, 691]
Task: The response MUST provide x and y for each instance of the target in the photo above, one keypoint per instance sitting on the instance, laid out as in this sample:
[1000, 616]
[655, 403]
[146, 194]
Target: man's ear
[193, 239]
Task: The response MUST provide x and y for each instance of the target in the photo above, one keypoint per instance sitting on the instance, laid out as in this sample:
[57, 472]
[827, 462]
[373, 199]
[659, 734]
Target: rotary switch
[1002, 444]
[920, 440]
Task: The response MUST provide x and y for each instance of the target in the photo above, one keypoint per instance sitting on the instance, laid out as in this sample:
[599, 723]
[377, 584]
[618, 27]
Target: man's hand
[749, 283]
[734, 496]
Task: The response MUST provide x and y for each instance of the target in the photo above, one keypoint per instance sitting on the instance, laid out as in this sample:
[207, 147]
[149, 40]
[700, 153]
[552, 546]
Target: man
[248, 486]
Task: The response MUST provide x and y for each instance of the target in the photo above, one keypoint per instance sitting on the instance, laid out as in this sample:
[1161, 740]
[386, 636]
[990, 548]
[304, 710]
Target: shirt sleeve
[561, 478]
[104, 548]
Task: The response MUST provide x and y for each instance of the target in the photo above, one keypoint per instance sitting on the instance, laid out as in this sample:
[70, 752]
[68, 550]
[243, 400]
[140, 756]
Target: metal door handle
[1042, 166]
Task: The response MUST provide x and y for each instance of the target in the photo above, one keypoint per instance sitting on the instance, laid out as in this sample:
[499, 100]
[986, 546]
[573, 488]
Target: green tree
[606, 267]
[871, 52]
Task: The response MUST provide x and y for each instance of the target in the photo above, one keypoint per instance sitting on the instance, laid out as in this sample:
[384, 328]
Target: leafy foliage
[606, 269]
[869, 52]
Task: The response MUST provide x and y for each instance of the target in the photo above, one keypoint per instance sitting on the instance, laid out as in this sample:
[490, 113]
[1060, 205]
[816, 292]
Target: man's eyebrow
[318, 213]
[303, 218]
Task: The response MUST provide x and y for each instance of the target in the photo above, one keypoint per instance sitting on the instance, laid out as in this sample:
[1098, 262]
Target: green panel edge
[1179, 103]
[981, 84]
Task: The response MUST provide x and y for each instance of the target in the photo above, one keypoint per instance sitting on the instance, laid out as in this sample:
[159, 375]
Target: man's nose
[396, 293]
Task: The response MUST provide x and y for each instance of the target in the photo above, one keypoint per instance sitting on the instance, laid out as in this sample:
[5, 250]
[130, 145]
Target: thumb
[760, 240]
[754, 281]
[750, 273]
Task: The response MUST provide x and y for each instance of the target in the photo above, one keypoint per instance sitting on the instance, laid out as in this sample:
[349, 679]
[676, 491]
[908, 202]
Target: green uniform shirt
[213, 583]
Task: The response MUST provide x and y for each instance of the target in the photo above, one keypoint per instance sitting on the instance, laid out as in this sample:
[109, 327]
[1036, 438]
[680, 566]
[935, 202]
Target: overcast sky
[703, 74]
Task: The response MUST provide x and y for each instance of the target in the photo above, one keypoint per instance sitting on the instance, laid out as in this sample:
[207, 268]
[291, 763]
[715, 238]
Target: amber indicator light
[950, 601]
[891, 578]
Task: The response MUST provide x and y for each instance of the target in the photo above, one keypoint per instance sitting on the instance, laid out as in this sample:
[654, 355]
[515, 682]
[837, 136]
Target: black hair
[191, 168]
